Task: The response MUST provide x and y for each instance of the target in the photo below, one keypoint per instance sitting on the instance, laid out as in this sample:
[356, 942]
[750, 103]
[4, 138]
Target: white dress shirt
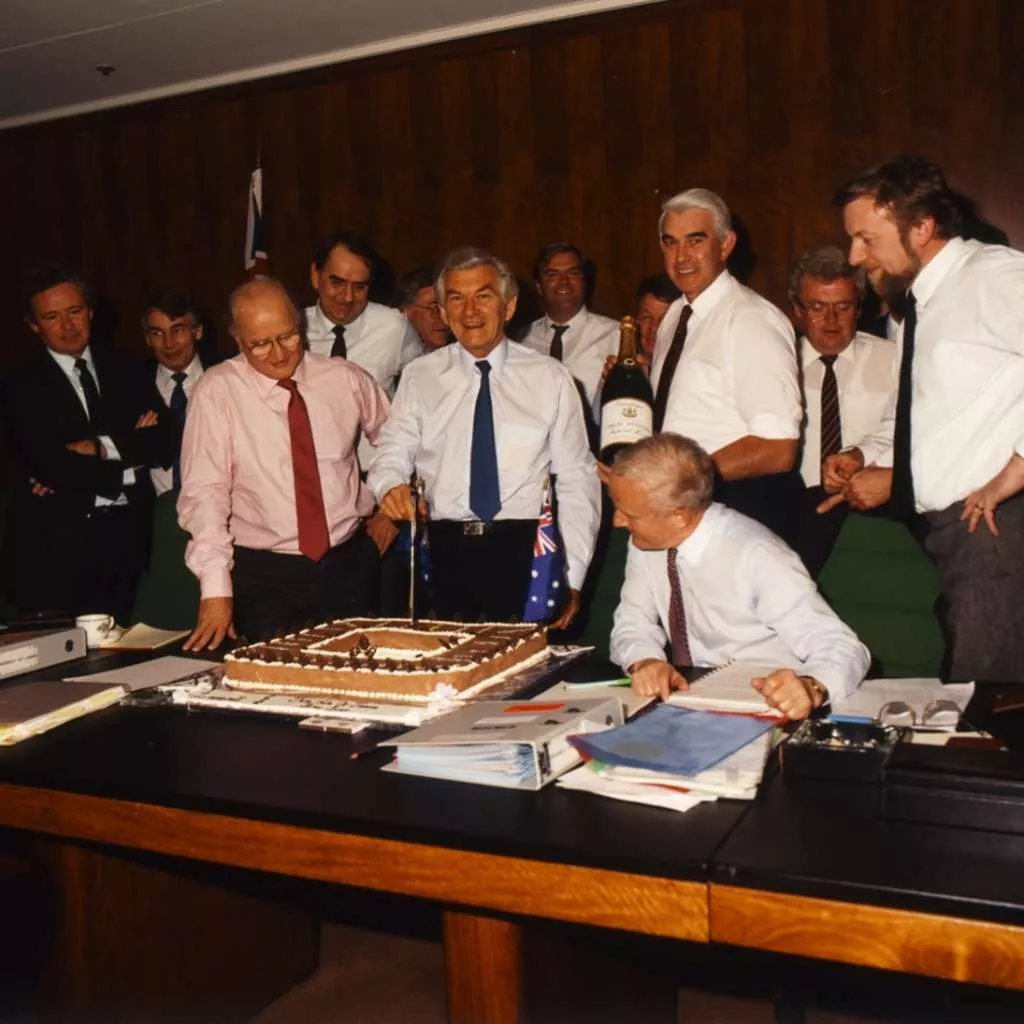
[380, 340]
[586, 345]
[67, 365]
[967, 405]
[738, 373]
[746, 596]
[163, 479]
[539, 430]
[867, 376]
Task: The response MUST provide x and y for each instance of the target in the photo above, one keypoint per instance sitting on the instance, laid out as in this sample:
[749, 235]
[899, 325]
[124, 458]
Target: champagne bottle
[627, 402]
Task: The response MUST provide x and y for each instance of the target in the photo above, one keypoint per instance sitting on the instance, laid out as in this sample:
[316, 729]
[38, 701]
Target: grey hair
[467, 257]
[678, 473]
[825, 263]
[259, 285]
[699, 199]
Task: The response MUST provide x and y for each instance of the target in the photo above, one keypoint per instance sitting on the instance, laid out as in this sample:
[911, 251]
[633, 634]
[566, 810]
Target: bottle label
[625, 421]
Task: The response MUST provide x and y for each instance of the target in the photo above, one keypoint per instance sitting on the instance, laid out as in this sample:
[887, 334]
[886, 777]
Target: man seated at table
[717, 586]
[485, 422]
[270, 482]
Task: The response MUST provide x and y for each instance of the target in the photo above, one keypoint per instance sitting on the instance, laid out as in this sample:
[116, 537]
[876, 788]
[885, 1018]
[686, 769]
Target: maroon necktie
[314, 537]
[668, 369]
[677, 615]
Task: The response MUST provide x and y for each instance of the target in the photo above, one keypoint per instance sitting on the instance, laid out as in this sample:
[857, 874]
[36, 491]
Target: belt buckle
[473, 528]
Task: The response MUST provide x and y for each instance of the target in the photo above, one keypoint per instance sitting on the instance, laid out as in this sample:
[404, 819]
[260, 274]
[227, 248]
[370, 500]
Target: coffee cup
[98, 628]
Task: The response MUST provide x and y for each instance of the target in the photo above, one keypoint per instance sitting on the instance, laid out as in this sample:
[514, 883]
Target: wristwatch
[817, 690]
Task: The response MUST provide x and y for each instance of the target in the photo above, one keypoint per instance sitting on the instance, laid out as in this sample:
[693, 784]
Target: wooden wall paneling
[425, 231]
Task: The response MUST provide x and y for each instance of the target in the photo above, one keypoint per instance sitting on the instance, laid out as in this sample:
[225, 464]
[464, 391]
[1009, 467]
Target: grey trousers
[982, 582]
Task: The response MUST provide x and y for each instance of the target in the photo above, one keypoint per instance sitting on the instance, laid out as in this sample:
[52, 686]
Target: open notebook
[729, 689]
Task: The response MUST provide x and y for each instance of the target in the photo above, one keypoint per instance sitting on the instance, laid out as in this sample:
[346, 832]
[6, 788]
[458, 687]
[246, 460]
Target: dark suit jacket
[43, 414]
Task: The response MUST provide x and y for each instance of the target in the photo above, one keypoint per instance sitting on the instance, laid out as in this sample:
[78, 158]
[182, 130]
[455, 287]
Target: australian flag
[547, 573]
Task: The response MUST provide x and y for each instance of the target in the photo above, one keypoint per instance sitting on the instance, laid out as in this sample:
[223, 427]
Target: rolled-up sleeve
[204, 505]
[767, 386]
[637, 629]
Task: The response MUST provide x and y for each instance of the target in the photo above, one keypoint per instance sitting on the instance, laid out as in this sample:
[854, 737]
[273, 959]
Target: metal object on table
[415, 489]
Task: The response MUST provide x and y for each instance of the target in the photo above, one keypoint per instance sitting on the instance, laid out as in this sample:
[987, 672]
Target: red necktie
[677, 632]
[314, 537]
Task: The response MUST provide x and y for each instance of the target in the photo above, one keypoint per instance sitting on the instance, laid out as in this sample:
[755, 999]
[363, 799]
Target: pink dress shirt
[237, 484]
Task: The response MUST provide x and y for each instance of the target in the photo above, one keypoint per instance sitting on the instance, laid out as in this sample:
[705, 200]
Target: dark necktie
[902, 501]
[314, 536]
[484, 495]
[831, 423]
[91, 392]
[339, 348]
[677, 615]
[668, 369]
[178, 405]
[556, 341]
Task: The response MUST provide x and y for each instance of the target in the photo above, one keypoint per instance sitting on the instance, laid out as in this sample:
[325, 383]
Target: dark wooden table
[141, 818]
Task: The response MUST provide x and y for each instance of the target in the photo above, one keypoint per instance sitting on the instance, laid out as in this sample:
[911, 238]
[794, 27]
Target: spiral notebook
[729, 689]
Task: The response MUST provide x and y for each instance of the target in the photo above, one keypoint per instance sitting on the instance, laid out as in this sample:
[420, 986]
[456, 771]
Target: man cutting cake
[716, 586]
[485, 423]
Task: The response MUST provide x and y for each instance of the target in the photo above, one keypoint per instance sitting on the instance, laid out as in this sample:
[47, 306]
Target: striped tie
[831, 424]
[677, 615]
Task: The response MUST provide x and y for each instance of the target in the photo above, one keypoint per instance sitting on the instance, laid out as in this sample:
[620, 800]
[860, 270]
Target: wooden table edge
[598, 897]
[915, 942]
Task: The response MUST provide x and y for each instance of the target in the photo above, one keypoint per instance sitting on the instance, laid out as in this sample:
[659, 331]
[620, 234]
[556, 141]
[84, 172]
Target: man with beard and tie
[712, 586]
[173, 330]
[271, 491]
[849, 379]
[954, 437]
[724, 370]
[86, 426]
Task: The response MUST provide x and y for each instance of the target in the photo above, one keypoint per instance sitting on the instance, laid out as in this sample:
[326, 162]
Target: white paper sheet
[918, 693]
[157, 672]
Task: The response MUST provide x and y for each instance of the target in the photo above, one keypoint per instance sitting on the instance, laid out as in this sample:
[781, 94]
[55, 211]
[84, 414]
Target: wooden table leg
[483, 969]
[126, 939]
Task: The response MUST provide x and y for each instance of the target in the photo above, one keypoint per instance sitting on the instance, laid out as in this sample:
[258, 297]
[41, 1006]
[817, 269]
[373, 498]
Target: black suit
[177, 430]
[61, 551]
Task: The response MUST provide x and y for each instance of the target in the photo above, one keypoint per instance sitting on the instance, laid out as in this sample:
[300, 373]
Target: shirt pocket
[521, 446]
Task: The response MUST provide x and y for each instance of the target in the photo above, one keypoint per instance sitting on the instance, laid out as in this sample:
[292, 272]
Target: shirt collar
[712, 295]
[811, 355]
[692, 549]
[496, 358]
[579, 320]
[192, 372]
[264, 385]
[931, 276]
[327, 325]
[67, 362]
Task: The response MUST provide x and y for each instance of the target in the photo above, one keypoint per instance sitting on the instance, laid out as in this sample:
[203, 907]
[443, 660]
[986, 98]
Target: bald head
[265, 324]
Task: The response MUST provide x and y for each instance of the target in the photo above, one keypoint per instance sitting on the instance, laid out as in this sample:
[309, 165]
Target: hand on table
[216, 621]
[795, 696]
[653, 677]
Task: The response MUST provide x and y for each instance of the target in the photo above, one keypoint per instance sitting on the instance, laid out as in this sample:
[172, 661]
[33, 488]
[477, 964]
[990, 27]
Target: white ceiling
[49, 49]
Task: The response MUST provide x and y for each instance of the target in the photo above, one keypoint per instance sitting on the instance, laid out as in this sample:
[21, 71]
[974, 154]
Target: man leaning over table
[716, 586]
[270, 481]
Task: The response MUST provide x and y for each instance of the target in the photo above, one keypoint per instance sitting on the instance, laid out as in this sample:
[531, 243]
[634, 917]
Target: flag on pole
[544, 598]
[255, 237]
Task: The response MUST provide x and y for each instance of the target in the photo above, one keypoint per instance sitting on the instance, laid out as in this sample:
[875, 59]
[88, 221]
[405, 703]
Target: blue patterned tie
[484, 495]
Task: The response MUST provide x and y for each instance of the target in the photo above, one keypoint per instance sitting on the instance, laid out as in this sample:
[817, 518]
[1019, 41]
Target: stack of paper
[729, 689]
[144, 638]
[28, 709]
[515, 744]
[675, 758]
